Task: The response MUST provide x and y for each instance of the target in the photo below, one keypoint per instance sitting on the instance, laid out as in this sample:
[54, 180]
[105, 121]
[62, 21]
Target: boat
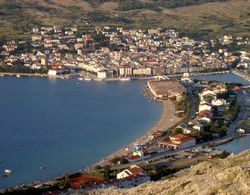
[18, 76]
[80, 78]
[43, 167]
[7, 172]
[125, 79]
[87, 79]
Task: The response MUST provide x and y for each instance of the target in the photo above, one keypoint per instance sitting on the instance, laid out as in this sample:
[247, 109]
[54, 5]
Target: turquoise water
[66, 124]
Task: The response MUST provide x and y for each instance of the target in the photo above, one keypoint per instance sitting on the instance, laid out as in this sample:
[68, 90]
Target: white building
[102, 74]
[134, 170]
[178, 141]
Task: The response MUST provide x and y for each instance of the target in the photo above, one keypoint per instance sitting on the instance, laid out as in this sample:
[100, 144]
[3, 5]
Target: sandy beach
[167, 120]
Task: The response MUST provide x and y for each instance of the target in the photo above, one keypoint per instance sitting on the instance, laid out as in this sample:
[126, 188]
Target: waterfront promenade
[34, 75]
[167, 120]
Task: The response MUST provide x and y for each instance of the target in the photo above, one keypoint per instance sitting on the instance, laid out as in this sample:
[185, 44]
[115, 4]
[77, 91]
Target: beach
[166, 121]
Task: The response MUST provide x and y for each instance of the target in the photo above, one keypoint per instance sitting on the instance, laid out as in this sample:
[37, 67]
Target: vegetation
[195, 18]
[19, 68]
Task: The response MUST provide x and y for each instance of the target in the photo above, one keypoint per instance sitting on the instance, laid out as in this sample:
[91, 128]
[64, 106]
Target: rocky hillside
[225, 176]
[193, 17]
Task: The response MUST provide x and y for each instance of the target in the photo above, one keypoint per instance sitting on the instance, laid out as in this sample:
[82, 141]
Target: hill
[192, 17]
[224, 176]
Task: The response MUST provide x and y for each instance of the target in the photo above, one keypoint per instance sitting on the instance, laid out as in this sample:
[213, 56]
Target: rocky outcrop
[224, 176]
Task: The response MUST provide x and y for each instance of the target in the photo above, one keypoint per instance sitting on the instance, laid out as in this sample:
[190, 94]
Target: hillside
[193, 17]
[224, 176]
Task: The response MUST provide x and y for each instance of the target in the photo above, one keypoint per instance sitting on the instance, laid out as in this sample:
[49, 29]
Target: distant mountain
[195, 17]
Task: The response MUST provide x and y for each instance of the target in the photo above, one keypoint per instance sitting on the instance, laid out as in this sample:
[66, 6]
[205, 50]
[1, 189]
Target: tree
[106, 172]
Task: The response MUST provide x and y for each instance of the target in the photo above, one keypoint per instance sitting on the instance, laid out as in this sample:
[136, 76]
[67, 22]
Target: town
[114, 53]
[197, 115]
[206, 114]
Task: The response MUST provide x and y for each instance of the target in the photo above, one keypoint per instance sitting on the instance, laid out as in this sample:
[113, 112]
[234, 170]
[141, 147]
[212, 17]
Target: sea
[66, 125]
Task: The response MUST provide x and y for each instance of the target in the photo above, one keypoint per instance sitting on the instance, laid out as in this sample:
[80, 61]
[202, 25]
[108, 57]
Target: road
[230, 134]
[241, 98]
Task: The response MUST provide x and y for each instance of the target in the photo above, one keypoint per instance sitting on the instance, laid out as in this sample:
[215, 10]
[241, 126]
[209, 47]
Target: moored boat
[87, 79]
[125, 79]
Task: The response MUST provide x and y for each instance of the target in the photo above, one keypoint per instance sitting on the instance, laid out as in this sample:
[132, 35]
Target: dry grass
[83, 4]
[109, 6]
[213, 19]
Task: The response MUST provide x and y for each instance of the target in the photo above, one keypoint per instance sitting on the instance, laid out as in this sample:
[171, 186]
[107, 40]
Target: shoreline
[143, 137]
[166, 121]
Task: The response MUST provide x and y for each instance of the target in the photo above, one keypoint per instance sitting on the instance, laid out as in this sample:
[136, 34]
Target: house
[205, 113]
[198, 126]
[102, 74]
[204, 107]
[240, 130]
[36, 37]
[78, 181]
[218, 102]
[177, 141]
[55, 69]
[207, 93]
[205, 120]
[142, 71]
[134, 171]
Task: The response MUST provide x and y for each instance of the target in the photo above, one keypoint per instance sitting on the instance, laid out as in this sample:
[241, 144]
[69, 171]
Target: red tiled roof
[77, 181]
[178, 139]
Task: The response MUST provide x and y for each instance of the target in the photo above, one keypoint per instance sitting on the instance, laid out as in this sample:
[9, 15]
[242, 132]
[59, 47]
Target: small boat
[87, 79]
[80, 78]
[18, 76]
[7, 172]
[125, 79]
[43, 167]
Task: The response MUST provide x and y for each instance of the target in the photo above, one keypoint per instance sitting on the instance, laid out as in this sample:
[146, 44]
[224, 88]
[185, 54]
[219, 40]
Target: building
[55, 69]
[125, 71]
[102, 74]
[142, 72]
[134, 171]
[177, 141]
[44, 60]
[166, 88]
[78, 181]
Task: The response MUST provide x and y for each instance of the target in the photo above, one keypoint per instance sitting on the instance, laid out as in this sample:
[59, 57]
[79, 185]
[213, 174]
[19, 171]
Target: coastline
[167, 120]
[159, 124]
